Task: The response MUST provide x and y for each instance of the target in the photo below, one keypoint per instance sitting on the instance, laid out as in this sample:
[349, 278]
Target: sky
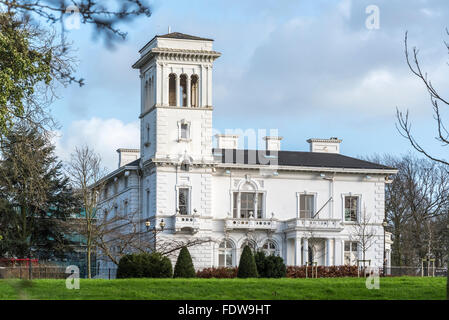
[308, 68]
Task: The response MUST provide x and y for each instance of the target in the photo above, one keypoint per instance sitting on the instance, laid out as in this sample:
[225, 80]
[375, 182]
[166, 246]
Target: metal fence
[36, 272]
[52, 272]
[397, 271]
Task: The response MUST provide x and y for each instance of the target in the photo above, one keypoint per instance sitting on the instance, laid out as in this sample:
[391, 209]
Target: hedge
[144, 265]
[322, 272]
[292, 272]
[220, 273]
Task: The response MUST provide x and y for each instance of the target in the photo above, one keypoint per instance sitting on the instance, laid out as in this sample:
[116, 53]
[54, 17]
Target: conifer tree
[184, 265]
[247, 265]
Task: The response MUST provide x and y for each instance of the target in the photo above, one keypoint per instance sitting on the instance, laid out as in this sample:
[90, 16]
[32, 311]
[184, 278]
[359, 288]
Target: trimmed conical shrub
[247, 265]
[184, 265]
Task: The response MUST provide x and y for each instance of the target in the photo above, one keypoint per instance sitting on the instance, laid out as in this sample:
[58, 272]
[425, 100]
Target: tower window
[194, 91]
[183, 90]
[172, 89]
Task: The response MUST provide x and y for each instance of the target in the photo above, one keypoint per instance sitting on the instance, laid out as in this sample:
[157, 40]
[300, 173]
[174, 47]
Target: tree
[437, 101]
[85, 171]
[23, 67]
[37, 196]
[247, 265]
[184, 265]
[363, 232]
[104, 16]
[33, 60]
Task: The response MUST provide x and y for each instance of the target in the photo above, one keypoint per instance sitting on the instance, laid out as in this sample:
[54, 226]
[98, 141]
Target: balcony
[186, 223]
[314, 224]
[250, 224]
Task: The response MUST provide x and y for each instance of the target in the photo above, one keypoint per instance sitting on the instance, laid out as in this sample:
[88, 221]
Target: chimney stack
[227, 141]
[126, 156]
[272, 143]
[331, 145]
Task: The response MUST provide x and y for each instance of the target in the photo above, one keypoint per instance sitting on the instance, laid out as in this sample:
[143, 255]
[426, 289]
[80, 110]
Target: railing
[186, 223]
[315, 224]
[251, 224]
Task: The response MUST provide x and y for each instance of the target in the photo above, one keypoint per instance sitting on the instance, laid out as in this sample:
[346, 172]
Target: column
[209, 85]
[178, 98]
[297, 251]
[189, 91]
[328, 251]
[337, 252]
[305, 246]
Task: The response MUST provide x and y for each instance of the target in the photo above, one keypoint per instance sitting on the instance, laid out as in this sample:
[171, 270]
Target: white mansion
[302, 205]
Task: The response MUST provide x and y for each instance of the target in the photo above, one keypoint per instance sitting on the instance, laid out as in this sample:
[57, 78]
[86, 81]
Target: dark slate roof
[293, 158]
[179, 35]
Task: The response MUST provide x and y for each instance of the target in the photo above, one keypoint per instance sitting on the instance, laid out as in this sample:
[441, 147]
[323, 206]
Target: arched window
[225, 254]
[194, 87]
[251, 244]
[183, 90]
[270, 248]
[172, 89]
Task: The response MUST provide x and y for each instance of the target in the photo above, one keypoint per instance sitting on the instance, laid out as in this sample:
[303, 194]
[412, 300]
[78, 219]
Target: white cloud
[105, 136]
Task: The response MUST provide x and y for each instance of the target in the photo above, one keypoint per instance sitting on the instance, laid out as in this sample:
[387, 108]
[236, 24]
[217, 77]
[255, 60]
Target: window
[147, 143]
[306, 206]
[248, 205]
[351, 208]
[225, 254]
[172, 89]
[148, 203]
[194, 91]
[259, 205]
[351, 254]
[115, 187]
[125, 207]
[269, 248]
[251, 244]
[247, 202]
[185, 166]
[184, 131]
[125, 182]
[183, 90]
[183, 201]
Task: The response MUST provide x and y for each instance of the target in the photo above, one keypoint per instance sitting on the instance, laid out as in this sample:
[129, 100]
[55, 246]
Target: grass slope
[270, 289]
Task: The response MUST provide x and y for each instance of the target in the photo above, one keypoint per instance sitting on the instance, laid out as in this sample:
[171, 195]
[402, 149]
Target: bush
[130, 266]
[269, 266]
[219, 273]
[247, 265]
[259, 258]
[184, 265]
[144, 265]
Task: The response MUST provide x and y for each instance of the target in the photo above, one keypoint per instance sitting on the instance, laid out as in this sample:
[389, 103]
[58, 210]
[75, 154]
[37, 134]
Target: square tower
[176, 98]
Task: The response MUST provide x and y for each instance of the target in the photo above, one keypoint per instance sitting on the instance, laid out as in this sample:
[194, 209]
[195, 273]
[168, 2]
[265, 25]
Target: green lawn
[159, 289]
